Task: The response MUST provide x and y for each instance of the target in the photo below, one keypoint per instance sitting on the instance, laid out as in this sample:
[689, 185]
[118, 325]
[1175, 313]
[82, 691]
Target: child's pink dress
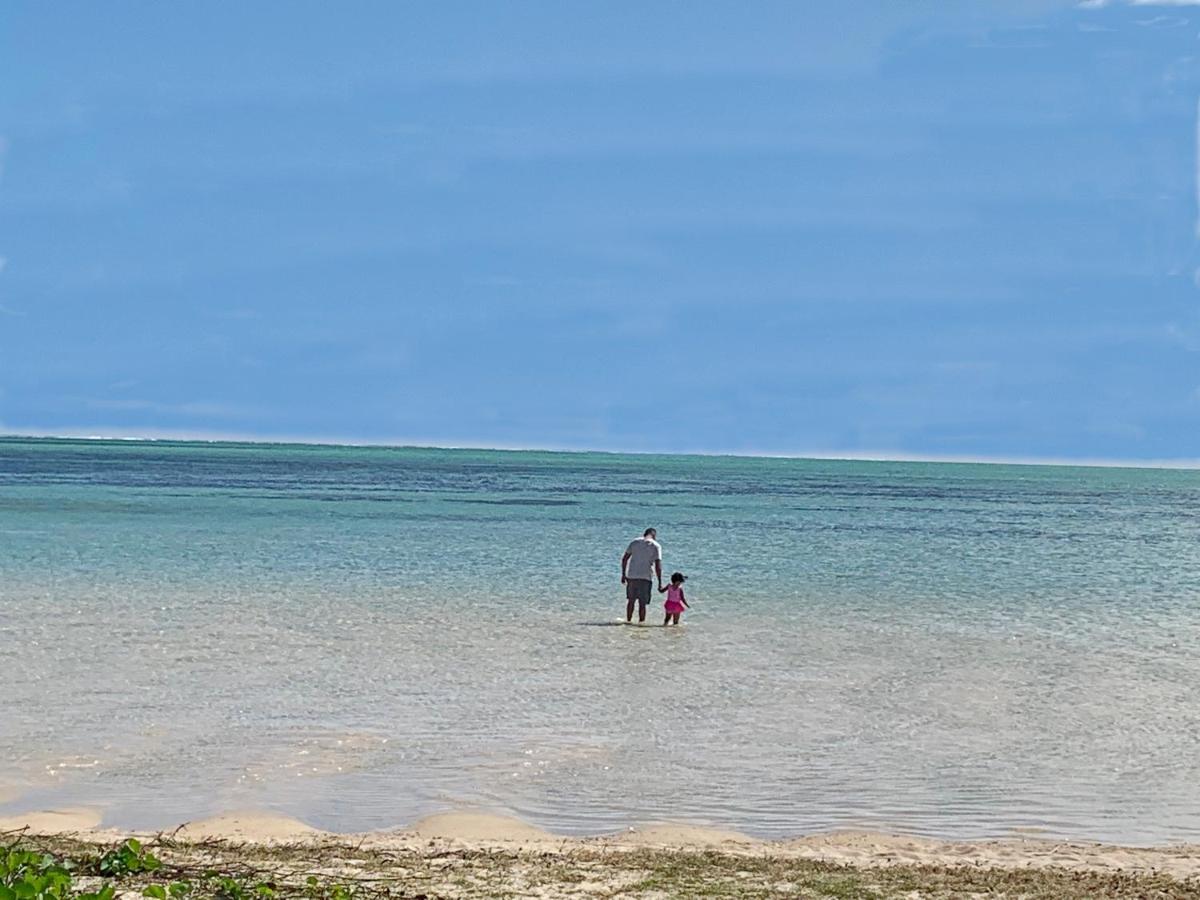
[674, 602]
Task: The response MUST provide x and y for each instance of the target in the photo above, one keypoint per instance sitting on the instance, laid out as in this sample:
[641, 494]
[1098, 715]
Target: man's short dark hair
[650, 531]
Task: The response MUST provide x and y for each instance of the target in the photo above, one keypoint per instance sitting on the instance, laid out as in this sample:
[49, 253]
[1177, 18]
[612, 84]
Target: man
[642, 559]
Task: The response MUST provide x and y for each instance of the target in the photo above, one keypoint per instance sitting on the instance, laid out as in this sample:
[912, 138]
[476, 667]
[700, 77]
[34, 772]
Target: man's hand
[623, 578]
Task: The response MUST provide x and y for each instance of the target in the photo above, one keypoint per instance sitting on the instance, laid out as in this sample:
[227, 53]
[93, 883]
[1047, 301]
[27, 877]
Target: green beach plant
[175, 890]
[128, 858]
[31, 874]
[27, 875]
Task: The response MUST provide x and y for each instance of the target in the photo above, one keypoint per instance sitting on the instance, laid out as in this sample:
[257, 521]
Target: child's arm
[662, 588]
[683, 599]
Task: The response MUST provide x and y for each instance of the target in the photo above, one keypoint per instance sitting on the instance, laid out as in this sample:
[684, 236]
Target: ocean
[359, 636]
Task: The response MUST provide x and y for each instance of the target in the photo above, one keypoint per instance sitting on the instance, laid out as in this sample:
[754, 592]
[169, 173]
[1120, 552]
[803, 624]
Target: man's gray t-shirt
[643, 553]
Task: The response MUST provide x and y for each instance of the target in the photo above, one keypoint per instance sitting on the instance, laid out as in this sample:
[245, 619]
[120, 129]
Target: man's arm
[658, 569]
[624, 561]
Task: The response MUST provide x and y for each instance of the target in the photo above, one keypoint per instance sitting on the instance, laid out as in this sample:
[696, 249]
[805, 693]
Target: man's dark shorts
[638, 589]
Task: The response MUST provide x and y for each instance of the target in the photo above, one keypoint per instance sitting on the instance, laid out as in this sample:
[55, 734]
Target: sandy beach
[475, 854]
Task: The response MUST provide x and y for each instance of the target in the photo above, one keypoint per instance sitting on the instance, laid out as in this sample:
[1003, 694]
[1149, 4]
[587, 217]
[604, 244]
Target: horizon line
[201, 437]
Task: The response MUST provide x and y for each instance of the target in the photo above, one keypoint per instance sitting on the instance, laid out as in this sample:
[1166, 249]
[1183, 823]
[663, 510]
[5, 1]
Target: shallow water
[360, 636]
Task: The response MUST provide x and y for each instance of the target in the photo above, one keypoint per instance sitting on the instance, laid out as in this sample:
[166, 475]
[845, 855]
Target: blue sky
[926, 229]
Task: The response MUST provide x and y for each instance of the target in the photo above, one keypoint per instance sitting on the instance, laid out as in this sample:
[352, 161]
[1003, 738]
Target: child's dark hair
[678, 578]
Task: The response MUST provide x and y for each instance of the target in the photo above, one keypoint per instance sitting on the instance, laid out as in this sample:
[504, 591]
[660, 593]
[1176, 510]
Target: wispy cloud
[1163, 22]
[1182, 337]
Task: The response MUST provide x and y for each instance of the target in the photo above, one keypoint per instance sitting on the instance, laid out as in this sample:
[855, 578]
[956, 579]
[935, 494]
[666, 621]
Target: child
[676, 602]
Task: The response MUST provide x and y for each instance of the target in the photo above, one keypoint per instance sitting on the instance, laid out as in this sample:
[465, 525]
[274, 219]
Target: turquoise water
[361, 636]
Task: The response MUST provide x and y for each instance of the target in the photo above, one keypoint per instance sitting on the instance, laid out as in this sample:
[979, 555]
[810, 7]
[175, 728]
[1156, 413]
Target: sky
[932, 229]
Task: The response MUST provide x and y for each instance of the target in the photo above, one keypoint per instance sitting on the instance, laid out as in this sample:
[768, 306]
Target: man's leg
[637, 590]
